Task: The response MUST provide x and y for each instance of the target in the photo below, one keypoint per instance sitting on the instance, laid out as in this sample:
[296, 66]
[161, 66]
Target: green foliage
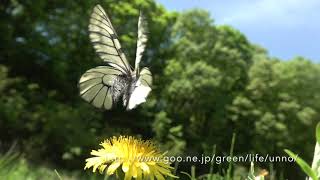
[44, 50]
[209, 81]
[40, 121]
[314, 172]
[318, 133]
[275, 104]
[252, 176]
[207, 71]
[316, 156]
[303, 165]
[170, 136]
[14, 166]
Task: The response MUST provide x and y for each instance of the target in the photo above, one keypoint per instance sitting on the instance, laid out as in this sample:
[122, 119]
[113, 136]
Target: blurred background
[212, 78]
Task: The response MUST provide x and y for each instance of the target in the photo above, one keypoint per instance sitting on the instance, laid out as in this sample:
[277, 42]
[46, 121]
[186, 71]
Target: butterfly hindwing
[141, 90]
[96, 86]
[145, 77]
[105, 40]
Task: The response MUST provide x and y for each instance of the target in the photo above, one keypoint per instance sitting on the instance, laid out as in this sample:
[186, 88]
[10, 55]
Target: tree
[209, 69]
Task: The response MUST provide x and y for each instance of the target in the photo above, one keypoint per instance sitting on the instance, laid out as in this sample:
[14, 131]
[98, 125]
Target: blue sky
[286, 28]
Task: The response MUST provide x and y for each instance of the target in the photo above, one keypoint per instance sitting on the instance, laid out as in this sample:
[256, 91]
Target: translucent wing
[142, 89]
[145, 77]
[105, 40]
[97, 86]
[142, 38]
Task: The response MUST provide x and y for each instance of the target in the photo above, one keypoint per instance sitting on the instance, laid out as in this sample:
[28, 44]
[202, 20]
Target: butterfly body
[121, 88]
[127, 84]
[104, 86]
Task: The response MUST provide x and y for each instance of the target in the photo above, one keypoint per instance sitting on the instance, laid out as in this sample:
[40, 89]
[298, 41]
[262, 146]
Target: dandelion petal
[145, 167]
[112, 168]
[125, 166]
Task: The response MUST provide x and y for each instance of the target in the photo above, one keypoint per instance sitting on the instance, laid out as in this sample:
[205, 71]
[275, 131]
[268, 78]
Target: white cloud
[272, 12]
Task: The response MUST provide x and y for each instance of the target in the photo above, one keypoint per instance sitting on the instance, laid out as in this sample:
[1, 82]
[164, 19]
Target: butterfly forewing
[96, 86]
[105, 40]
[142, 38]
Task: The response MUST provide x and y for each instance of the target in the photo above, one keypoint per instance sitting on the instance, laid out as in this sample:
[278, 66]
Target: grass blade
[231, 155]
[303, 165]
[318, 133]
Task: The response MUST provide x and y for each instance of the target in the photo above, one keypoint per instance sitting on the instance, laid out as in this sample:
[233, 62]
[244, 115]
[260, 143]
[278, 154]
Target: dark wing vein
[100, 16]
[101, 53]
[101, 43]
[146, 82]
[100, 34]
[89, 88]
[96, 94]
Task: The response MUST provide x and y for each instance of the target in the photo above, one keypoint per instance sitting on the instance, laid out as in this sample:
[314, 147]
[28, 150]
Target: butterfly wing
[98, 85]
[146, 77]
[142, 39]
[105, 40]
[142, 89]
[144, 82]
[102, 86]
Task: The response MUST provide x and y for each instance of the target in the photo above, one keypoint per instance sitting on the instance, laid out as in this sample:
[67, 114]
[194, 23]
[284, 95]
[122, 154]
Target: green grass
[313, 172]
[16, 167]
[13, 167]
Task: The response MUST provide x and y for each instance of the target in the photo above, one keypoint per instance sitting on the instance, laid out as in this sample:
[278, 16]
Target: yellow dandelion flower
[137, 159]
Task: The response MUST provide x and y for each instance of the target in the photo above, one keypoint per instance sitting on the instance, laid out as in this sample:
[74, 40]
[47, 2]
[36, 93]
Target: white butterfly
[104, 86]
